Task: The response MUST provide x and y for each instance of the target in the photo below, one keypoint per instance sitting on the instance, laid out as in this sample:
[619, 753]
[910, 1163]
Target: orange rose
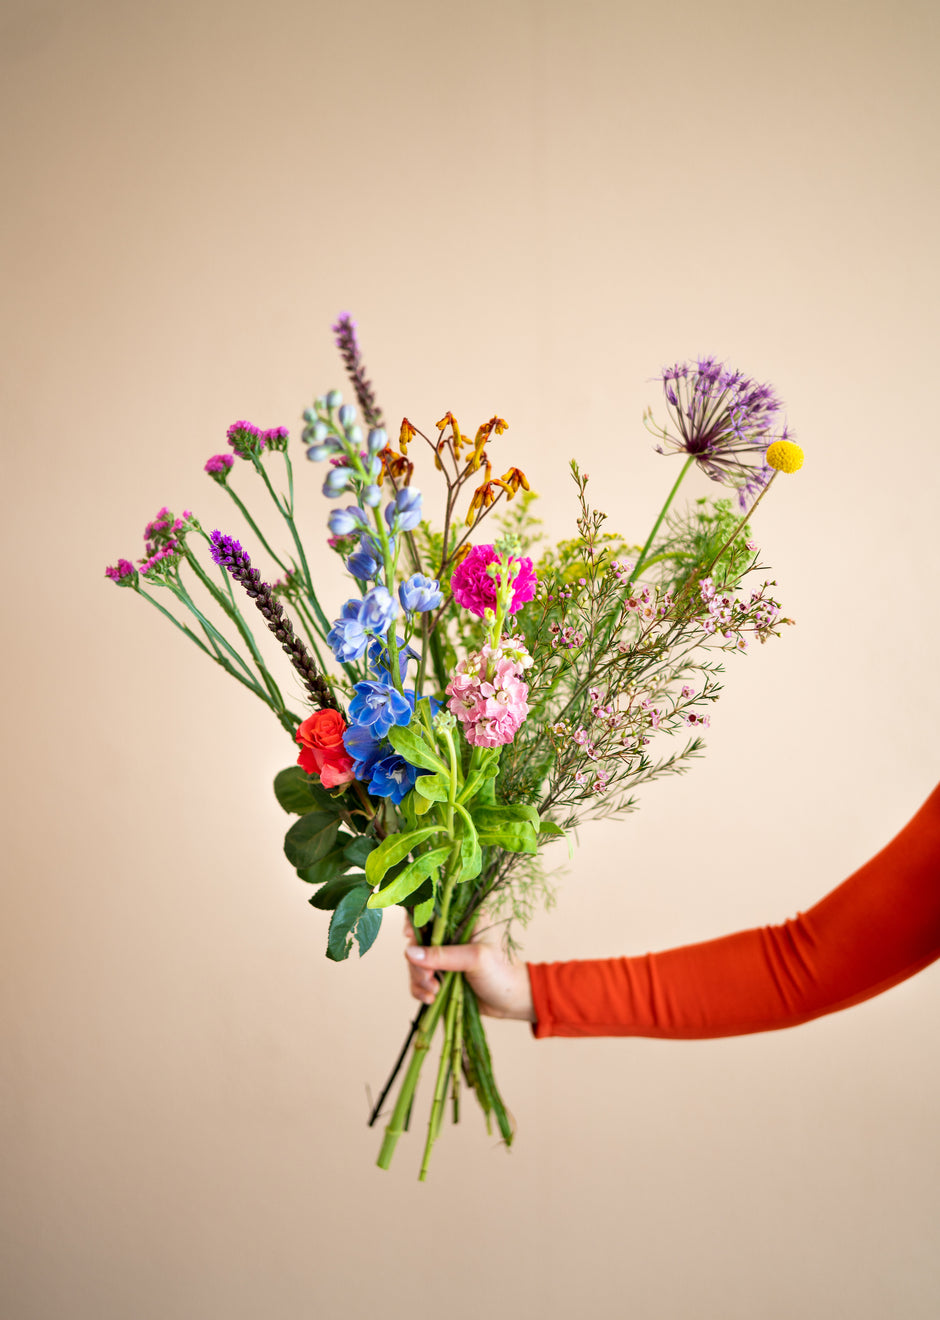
[322, 751]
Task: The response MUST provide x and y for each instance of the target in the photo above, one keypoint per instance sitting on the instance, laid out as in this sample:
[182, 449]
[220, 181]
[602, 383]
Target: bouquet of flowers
[475, 699]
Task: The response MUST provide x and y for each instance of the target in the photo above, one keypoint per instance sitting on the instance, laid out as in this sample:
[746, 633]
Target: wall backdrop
[529, 207]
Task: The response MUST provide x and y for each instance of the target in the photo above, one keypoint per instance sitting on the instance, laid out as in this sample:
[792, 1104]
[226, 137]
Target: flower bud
[347, 415]
[372, 495]
[378, 439]
[333, 399]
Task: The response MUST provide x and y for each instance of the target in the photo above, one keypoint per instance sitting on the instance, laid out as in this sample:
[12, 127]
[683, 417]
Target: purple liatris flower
[723, 420]
[420, 594]
[345, 332]
[377, 706]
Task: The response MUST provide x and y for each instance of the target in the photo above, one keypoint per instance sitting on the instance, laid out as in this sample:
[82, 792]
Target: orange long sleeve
[877, 928]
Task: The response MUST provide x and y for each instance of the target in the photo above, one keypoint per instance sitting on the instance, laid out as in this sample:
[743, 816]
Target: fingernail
[415, 953]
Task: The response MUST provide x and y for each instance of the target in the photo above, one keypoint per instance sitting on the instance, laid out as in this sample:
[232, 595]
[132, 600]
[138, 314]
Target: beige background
[529, 207]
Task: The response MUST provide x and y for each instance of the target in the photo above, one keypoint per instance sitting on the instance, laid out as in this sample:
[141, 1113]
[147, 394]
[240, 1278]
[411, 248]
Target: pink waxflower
[475, 590]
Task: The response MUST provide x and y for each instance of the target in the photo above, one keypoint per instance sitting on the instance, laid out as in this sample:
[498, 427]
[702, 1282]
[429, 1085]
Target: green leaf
[352, 917]
[327, 868]
[488, 769]
[310, 839]
[358, 849]
[411, 878]
[470, 863]
[436, 788]
[395, 849]
[415, 748]
[513, 827]
[549, 827]
[329, 896]
[419, 806]
[423, 913]
[298, 792]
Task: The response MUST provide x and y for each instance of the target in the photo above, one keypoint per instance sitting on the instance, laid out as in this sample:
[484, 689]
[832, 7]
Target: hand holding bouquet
[473, 701]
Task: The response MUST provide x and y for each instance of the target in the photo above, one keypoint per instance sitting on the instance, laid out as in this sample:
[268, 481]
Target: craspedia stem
[228, 554]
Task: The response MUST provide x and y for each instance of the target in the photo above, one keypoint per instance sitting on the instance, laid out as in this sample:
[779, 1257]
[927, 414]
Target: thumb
[446, 957]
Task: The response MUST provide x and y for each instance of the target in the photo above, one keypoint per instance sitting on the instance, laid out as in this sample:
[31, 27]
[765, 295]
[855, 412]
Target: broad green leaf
[470, 863]
[298, 792]
[420, 806]
[358, 849]
[311, 838]
[436, 788]
[411, 878]
[415, 748]
[488, 769]
[394, 849]
[512, 827]
[327, 868]
[351, 917]
[423, 913]
[329, 895]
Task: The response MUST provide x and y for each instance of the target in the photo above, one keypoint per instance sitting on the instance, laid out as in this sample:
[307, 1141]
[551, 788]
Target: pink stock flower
[475, 590]
[488, 696]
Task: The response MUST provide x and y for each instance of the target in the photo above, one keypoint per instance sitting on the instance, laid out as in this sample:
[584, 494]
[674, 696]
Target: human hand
[500, 985]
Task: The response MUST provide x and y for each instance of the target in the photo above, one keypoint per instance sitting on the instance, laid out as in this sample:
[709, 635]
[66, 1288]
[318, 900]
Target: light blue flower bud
[334, 399]
[346, 522]
[405, 511]
[317, 453]
[363, 566]
[354, 436]
[337, 479]
[378, 439]
[347, 415]
[372, 495]
[375, 468]
[310, 414]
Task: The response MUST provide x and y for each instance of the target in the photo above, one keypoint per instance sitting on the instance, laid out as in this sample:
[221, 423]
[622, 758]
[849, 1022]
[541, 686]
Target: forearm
[877, 928]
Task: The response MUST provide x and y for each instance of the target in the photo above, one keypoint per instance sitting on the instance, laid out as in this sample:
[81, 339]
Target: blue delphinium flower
[365, 748]
[393, 777]
[363, 566]
[377, 611]
[348, 639]
[377, 653]
[420, 594]
[337, 479]
[377, 706]
[404, 512]
[346, 522]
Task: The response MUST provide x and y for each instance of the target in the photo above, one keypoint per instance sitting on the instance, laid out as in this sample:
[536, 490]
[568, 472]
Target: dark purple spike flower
[348, 345]
[228, 554]
[723, 420]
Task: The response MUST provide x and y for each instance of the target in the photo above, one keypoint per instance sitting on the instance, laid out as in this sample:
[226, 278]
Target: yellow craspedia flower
[784, 456]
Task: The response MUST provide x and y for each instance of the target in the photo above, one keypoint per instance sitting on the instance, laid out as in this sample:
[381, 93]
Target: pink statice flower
[488, 695]
[475, 590]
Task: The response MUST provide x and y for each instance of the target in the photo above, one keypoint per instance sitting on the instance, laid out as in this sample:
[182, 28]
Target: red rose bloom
[322, 751]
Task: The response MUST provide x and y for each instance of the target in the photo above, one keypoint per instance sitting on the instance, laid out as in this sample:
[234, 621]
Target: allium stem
[656, 525]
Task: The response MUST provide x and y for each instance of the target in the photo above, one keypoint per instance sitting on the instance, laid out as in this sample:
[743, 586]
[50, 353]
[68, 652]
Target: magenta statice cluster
[475, 589]
[488, 694]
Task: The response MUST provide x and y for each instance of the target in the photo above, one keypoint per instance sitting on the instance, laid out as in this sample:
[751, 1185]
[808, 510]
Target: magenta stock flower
[475, 590]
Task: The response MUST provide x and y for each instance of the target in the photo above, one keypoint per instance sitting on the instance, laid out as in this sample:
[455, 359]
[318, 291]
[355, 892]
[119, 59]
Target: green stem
[396, 1123]
[256, 529]
[662, 513]
[440, 1087]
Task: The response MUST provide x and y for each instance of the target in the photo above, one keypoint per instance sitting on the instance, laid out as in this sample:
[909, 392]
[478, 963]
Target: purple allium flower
[420, 594]
[378, 706]
[345, 332]
[219, 466]
[723, 420]
[123, 573]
